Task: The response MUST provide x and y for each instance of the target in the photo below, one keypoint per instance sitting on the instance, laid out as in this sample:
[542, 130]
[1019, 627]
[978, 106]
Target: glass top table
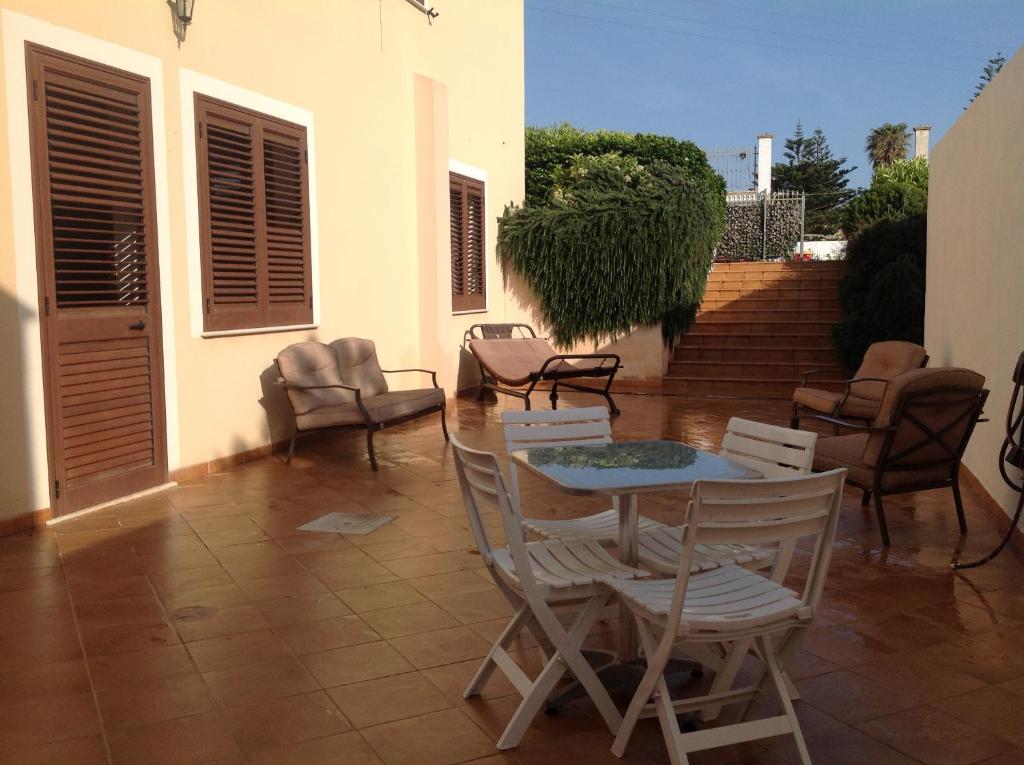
[628, 467]
[623, 470]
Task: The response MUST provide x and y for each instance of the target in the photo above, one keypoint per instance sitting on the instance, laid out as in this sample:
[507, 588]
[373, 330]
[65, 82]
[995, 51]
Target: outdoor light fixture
[181, 12]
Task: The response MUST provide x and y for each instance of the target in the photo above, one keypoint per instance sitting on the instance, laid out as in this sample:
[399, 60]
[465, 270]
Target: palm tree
[887, 143]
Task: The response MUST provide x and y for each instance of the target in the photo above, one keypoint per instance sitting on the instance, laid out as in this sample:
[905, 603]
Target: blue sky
[686, 68]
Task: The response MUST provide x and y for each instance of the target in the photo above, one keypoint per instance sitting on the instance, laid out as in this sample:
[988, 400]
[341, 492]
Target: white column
[764, 163]
[921, 140]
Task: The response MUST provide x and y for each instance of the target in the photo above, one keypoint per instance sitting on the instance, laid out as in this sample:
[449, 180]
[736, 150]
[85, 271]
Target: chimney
[764, 162]
[921, 140]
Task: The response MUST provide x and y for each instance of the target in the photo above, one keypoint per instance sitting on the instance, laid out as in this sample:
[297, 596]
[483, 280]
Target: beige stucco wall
[393, 99]
[975, 291]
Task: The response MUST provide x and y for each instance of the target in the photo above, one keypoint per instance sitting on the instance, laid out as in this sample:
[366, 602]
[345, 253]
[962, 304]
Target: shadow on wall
[18, 469]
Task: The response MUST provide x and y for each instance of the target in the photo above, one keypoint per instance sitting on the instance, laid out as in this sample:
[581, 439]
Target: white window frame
[191, 83]
[477, 174]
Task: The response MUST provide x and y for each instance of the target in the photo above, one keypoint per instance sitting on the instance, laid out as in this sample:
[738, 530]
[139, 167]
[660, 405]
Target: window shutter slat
[468, 243]
[255, 212]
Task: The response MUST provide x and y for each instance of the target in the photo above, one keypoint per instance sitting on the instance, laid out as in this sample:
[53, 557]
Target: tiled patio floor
[200, 626]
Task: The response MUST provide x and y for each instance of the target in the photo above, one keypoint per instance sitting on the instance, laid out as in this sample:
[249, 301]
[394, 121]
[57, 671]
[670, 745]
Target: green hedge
[882, 293]
[551, 149]
[898, 190]
[616, 243]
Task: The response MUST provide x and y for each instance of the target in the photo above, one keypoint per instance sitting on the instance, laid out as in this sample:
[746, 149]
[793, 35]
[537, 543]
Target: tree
[810, 167]
[887, 143]
[897, 191]
[992, 68]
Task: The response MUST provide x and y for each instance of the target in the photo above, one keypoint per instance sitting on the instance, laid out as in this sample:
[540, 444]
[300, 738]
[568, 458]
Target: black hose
[1013, 424]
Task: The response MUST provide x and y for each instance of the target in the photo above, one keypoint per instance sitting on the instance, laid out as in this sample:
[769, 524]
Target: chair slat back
[773, 511]
[588, 426]
[774, 451]
[483, 488]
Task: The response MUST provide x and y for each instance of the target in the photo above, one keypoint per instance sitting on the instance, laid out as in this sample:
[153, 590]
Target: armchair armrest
[431, 372]
[846, 425]
[359, 398]
[849, 388]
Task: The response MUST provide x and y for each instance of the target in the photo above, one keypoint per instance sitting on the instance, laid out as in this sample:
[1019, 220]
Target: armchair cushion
[311, 363]
[848, 451]
[886, 360]
[826, 401]
[357, 364]
[385, 408]
[935, 416]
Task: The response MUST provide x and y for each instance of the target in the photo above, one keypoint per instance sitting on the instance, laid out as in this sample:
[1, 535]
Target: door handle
[137, 325]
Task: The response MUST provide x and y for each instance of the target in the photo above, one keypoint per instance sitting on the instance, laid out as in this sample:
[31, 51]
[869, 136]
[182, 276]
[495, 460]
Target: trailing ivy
[617, 243]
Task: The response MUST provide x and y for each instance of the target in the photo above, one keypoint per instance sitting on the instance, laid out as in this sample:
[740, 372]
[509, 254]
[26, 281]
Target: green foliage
[992, 68]
[550, 150]
[811, 168]
[882, 293]
[617, 243]
[898, 190]
[887, 144]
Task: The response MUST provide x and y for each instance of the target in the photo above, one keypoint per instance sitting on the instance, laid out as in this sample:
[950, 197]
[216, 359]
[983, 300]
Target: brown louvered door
[254, 213]
[92, 160]
[466, 211]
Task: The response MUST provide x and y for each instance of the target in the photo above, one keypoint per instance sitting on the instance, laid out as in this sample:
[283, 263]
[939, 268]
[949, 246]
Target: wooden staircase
[760, 327]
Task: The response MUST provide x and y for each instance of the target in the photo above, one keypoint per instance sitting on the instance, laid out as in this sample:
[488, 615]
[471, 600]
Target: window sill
[257, 330]
[469, 311]
[420, 6]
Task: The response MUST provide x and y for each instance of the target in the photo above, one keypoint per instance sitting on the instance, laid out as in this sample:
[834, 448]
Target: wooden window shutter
[254, 218]
[468, 243]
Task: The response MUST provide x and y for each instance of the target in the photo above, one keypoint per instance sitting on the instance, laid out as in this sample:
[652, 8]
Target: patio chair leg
[883, 527]
[554, 396]
[865, 500]
[444, 425]
[369, 448]
[794, 419]
[291, 447]
[961, 519]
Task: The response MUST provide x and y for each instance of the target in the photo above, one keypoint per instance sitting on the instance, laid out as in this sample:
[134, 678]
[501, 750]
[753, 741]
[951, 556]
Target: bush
[617, 243]
[882, 293]
[550, 150]
[898, 190]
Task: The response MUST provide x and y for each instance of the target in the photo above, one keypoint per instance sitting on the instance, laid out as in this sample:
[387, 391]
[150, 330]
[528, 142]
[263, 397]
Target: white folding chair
[775, 452]
[588, 426]
[748, 610]
[534, 577]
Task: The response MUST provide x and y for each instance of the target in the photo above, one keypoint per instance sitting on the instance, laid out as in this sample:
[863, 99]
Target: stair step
[745, 370]
[725, 327]
[758, 301]
[750, 353]
[698, 337]
[718, 292]
[769, 315]
[739, 388]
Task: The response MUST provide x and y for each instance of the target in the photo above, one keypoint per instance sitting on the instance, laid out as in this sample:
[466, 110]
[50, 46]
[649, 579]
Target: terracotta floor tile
[185, 741]
[217, 596]
[278, 722]
[343, 749]
[444, 586]
[375, 596]
[121, 638]
[356, 576]
[355, 663]
[852, 698]
[91, 590]
[189, 580]
[237, 650]
[439, 738]
[147, 703]
[411, 619]
[281, 586]
[325, 634]
[911, 672]
[588, 748]
[493, 718]
[481, 607]
[66, 678]
[202, 623]
[267, 680]
[994, 710]
[848, 746]
[424, 565]
[140, 667]
[935, 738]
[964, 617]
[386, 699]
[985, 657]
[447, 646]
[30, 649]
[397, 550]
[88, 750]
[295, 609]
[33, 722]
